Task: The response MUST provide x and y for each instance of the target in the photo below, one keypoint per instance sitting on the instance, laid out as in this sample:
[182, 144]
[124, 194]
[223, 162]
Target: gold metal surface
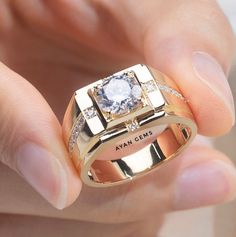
[110, 151]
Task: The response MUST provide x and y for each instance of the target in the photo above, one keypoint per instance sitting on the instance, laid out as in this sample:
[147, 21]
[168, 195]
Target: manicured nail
[205, 184]
[44, 173]
[209, 71]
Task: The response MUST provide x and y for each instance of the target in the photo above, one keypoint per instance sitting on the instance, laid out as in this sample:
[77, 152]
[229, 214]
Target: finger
[36, 226]
[31, 141]
[193, 44]
[208, 179]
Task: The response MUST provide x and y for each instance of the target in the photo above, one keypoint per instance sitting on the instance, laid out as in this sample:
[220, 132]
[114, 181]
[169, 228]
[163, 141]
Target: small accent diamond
[133, 125]
[90, 112]
[150, 86]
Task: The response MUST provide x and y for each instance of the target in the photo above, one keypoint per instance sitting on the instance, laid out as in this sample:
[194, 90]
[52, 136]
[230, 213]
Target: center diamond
[119, 94]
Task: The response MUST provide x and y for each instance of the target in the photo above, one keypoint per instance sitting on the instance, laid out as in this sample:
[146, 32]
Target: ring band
[137, 118]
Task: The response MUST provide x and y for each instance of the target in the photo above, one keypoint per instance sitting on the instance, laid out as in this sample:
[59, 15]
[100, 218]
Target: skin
[45, 45]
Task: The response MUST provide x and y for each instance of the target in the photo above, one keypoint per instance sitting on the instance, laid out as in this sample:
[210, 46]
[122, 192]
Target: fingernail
[205, 184]
[209, 71]
[44, 173]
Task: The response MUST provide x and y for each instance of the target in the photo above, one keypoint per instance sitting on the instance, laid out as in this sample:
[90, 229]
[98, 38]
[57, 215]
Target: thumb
[198, 57]
[31, 141]
[191, 42]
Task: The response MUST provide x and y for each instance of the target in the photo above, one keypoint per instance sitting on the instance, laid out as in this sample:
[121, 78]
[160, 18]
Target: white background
[229, 7]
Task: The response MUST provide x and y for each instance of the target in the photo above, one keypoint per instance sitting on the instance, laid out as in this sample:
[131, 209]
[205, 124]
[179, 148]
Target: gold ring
[126, 125]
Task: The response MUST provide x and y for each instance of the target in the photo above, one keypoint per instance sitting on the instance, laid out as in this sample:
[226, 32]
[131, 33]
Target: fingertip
[74, 184]
[213, 78]
[230, 176]
[32, 141]
[201, 80]
[212, 114]
[71, 182]
[48, 175]
[205, 183]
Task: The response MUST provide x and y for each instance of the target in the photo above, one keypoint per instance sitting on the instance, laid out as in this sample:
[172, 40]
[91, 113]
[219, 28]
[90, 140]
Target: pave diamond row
[76, 129]
[152, 86]
[171, 91]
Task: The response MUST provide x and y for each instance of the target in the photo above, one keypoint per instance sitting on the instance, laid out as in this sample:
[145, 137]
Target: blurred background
[217, 221]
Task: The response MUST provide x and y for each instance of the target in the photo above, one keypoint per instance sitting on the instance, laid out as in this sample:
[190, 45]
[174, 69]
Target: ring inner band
[158, 146]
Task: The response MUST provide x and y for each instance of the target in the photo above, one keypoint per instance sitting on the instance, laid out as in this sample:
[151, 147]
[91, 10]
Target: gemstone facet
[119, 94]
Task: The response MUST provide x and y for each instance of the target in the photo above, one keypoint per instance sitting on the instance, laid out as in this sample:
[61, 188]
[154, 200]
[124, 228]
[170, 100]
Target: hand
[59, 46]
